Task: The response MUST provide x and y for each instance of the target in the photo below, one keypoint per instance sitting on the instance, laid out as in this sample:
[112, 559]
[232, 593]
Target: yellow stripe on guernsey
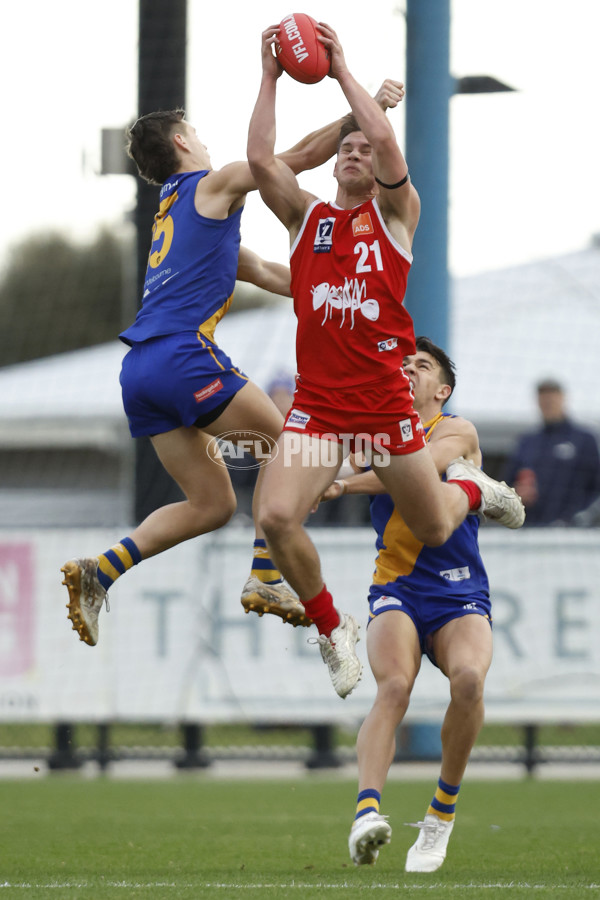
[207, 329]
[400, 547]
[367, 803]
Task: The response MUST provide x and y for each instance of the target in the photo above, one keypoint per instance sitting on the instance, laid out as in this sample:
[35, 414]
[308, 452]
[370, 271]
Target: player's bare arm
[276, 181]
[399, 205]
[270, 276]
[451, 438]
[224, 190]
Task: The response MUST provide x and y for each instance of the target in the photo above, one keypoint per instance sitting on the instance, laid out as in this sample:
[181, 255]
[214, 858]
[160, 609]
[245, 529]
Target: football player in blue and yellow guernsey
[423, 600]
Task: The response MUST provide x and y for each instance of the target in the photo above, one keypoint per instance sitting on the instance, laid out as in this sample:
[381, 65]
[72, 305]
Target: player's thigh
[302, 469]
[251, 410]
[414, 484]
[187, 457]
[393, 647]
[464, 642]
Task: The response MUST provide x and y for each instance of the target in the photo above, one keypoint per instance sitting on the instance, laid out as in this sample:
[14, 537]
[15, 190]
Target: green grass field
[65, 836]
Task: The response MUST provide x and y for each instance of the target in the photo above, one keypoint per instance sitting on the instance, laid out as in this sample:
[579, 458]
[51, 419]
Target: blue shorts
[429, 612]
[176, 380]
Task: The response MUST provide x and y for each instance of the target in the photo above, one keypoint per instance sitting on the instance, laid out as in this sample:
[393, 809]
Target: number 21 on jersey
[366, 254]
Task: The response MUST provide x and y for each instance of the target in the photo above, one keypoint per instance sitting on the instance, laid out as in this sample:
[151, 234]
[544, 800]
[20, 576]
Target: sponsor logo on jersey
[362, 225]
[406, 429]
[208, 391]
[298, 419]
[168, 186]
[324, 235]
[461, 573]
[389, 344]
[385, 601]
[347, 297]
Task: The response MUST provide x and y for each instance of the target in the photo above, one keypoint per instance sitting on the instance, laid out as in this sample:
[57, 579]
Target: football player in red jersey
[349, 262]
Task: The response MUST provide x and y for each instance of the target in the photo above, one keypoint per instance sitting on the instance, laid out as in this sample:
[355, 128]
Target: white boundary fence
[177, 646]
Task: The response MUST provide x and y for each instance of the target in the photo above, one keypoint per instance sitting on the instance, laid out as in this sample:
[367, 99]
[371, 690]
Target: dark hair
[426, 345]
[349, 124]
[549, 385]
[150, 146]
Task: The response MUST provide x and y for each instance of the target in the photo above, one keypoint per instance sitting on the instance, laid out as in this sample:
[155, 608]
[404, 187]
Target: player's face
[425, 376]
[354, 163]
[198, 149]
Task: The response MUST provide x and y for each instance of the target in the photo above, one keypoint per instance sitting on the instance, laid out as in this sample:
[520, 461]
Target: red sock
[472, 491]
[322, 611]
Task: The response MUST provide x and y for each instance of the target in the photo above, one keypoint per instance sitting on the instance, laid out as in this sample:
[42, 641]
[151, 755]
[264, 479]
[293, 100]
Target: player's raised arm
[320, 145]
[389, 166]
[275, 180]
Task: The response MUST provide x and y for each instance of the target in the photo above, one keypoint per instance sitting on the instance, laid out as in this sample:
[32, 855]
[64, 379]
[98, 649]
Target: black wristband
[391, 187]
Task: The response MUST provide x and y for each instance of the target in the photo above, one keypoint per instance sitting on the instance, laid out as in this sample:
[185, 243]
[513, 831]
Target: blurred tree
[56, 295]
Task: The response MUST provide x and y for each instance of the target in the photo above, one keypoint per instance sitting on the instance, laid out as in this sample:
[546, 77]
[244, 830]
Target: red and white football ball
[299, 49]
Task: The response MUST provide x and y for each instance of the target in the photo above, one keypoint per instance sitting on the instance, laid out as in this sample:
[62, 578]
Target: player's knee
[218, 512]
[226, 512]
[466, 685]
[274, 519]
[394, 692]
[433, 533]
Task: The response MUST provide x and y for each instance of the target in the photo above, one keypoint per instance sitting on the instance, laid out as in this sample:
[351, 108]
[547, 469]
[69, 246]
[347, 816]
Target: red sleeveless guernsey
[348, 284]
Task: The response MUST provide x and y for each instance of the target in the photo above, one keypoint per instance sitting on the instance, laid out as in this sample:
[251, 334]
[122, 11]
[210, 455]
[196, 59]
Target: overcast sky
[523, 169]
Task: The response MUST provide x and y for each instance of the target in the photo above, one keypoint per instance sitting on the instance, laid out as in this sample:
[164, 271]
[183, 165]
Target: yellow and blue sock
[444, 801]
[116, 561]
[263, 566]
[368, 801]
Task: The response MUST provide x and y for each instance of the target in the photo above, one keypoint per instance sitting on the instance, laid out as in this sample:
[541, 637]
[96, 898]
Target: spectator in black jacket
[556, 469]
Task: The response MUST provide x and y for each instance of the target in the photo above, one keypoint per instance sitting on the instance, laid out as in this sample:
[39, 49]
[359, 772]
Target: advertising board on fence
[177, 646]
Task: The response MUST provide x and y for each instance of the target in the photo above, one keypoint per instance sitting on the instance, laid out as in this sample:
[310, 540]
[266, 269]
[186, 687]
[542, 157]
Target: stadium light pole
[162, 44]
[429, 89]
[161, 85]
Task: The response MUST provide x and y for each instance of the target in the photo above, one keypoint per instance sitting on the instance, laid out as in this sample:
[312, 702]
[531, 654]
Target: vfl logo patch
[298, 419]
[324, 236]
[462, 573]
[208, 391]
[406, 429]
[385, 601]
[362, 225]
[390, 344]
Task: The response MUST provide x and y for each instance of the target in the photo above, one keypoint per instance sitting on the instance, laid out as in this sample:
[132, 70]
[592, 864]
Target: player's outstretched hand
[390, 94]
[329, 38]
[335, 490]
[270, 64]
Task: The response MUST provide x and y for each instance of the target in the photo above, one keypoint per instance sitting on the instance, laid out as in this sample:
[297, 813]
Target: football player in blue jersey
[423, 600]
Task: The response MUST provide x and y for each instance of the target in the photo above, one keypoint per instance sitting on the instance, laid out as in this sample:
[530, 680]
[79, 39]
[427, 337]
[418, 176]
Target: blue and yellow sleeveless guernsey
[431, 584]
[192, 266]
[174, 374]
